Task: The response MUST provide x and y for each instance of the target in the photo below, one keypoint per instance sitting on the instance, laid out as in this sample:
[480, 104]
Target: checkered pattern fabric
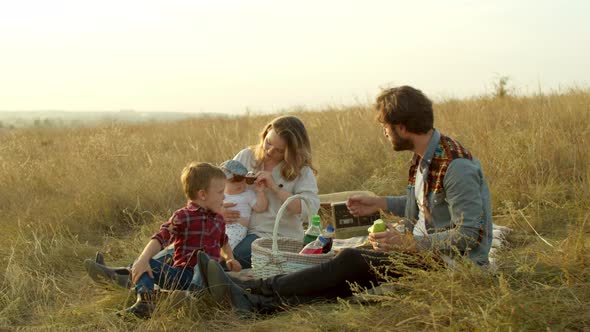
[446, 151]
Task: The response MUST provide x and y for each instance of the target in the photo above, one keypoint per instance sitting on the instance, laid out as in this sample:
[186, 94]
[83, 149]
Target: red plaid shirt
[191, 229]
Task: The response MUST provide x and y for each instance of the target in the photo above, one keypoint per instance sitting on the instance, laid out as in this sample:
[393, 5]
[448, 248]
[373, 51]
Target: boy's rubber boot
[99, 258]
[144, 306]
[103, 274]
[224, 290]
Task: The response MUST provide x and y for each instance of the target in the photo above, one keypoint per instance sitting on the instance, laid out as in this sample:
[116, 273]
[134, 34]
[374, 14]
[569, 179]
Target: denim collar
[432, 145]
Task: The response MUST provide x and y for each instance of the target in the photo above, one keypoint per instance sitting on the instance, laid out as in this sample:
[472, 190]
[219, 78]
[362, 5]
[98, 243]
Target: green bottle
[313, 231]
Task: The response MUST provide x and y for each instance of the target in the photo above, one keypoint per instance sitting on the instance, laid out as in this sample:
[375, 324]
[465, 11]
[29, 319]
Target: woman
[282, 162]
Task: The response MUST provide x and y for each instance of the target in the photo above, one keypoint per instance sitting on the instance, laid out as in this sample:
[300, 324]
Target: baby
[236, 191]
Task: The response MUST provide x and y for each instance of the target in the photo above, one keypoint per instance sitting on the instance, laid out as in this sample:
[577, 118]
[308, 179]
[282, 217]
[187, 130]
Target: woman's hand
[391, 239]
[259, 187]
[233, 265]
[266, 178]
[230, 216]
[365, 205]
[140, 267]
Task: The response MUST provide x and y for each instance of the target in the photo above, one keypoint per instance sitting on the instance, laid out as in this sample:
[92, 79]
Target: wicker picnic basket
[277, 255]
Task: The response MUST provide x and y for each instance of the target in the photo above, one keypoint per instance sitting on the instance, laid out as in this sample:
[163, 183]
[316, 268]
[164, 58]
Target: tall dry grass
[66, 193]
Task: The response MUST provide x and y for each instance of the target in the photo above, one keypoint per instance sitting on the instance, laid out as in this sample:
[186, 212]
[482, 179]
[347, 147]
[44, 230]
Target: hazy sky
[229, 56]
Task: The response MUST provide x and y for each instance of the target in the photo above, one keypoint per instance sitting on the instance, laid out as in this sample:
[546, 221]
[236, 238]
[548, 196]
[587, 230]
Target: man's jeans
[332, 279]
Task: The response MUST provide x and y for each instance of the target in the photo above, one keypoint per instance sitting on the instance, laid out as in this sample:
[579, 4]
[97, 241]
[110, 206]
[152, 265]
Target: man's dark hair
[406, 106]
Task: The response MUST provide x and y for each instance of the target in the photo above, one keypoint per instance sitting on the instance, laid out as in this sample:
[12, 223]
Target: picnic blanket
[499, 241]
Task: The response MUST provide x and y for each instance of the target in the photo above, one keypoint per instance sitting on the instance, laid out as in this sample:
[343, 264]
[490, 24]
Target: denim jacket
[459, 218]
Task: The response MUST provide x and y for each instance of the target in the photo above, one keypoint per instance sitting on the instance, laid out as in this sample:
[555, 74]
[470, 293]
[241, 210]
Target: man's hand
[230, 216]
[391, 239]
[140, 267]
[365, 205]
[233, 265]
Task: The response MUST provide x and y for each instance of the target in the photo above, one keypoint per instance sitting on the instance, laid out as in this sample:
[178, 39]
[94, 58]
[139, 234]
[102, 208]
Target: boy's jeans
[166, 255]
[166, 276]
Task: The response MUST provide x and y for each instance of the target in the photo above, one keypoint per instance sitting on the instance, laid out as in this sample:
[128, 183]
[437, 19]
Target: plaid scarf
[446, 151]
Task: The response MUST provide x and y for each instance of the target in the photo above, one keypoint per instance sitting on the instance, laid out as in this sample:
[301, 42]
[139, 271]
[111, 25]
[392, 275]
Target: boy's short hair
[406, 106]
[197, 176]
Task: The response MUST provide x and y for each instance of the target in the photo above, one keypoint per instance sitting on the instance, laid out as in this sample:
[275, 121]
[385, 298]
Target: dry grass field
[67, 193]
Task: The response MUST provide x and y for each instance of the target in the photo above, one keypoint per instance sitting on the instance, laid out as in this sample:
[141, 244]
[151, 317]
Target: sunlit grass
[66, 193]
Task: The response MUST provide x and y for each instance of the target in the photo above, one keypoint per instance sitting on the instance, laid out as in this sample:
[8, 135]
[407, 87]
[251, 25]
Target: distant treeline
[60, 119]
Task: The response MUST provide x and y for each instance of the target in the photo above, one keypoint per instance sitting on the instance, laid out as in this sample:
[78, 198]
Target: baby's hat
[233, 167]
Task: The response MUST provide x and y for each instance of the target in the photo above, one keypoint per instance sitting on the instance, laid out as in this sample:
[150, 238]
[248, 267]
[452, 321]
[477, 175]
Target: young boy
[198, 226]
[236, 191]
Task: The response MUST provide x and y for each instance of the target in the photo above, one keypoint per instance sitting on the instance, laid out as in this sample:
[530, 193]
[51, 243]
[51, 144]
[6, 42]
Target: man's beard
[401, 144]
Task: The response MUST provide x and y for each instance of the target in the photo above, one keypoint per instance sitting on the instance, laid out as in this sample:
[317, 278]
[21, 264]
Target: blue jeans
[167, 277]
[243, 251]
[164, 254]
[167, 254]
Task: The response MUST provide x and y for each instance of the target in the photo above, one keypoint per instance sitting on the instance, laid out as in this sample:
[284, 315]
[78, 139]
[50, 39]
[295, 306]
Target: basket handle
[275, 232]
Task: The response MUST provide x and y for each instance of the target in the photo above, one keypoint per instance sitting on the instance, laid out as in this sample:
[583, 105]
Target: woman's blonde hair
[197, 176]
[297, 146]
